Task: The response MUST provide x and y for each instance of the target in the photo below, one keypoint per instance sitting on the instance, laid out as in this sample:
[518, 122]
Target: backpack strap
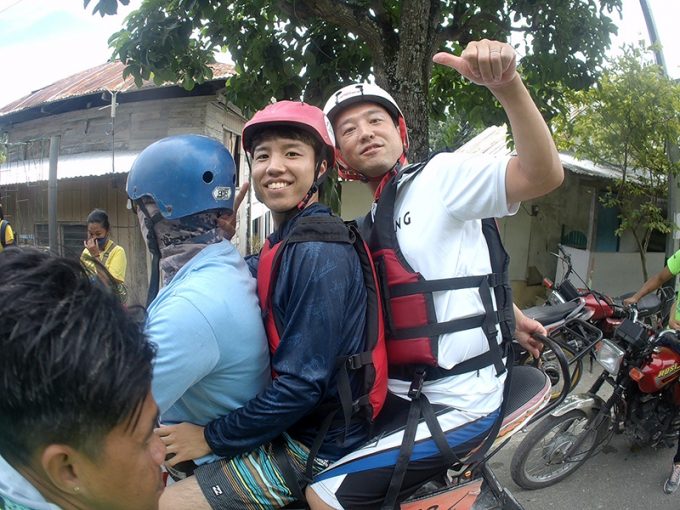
[3, 231]
[107, 252]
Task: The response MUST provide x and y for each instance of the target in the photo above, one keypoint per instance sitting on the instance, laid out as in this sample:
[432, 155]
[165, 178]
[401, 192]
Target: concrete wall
[611, 273]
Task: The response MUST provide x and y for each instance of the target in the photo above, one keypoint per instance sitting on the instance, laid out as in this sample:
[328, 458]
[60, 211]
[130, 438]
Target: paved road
[617, 478]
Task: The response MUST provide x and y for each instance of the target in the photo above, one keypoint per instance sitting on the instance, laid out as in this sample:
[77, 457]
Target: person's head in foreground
[76, 412]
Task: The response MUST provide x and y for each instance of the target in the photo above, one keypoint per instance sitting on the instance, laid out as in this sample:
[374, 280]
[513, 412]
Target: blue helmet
[184, 175]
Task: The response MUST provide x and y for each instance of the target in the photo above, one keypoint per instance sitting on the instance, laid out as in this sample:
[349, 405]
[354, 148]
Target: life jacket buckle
[354, 362]
[417, 383]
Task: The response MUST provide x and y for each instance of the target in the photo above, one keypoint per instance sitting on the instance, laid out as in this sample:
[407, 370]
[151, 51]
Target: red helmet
[295, 114]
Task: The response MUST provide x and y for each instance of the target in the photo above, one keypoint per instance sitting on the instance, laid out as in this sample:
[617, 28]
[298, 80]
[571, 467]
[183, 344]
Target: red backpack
[372, 362]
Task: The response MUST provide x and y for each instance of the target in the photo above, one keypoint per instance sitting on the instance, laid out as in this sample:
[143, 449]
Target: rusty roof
[105, 77]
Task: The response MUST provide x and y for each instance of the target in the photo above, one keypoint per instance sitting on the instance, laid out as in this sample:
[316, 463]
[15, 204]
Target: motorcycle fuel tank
[662, 368]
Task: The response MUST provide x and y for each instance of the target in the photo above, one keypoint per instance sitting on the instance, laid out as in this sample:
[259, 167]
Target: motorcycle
[590, 309]
[604, 311]
[643, 367]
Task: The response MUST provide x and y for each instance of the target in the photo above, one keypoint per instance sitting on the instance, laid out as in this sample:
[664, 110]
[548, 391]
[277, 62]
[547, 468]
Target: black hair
[2, 214]
[292, 133]
[99, 216]
[74, 363]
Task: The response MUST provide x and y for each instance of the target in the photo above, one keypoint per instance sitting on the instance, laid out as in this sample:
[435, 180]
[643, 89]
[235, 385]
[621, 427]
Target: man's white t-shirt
[437, 218]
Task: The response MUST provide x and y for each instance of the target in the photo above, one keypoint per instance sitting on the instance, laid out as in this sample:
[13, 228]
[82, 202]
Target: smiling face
[368, 138]
[283, 173]
[126, 473]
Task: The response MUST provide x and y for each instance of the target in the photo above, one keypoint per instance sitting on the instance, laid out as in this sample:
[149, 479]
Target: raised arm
[537, 169]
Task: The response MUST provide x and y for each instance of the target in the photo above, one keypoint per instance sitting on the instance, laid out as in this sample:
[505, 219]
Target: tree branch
[341, 15]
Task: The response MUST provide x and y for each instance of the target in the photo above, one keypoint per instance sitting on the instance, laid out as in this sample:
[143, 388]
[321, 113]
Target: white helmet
[358, 93]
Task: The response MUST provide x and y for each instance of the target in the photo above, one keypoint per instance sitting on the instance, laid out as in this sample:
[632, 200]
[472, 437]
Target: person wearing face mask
[99, 246]
[205, 320]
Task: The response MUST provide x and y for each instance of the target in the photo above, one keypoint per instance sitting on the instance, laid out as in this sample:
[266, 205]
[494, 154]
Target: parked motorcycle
[644, 370]
[604, 311]
[592, 311]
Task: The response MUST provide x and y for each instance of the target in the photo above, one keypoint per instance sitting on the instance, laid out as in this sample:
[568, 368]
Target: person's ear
[60, 465]
[323, 167]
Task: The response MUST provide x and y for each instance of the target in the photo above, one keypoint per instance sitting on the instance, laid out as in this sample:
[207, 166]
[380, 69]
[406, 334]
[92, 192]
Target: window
[41, 235]
[72, 240]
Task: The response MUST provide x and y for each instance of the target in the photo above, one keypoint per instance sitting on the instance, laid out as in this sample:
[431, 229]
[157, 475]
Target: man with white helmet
[445, 271]
[212, 348]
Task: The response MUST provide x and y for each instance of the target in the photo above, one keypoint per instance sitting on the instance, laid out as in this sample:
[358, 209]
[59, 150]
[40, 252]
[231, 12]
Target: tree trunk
[408, 66]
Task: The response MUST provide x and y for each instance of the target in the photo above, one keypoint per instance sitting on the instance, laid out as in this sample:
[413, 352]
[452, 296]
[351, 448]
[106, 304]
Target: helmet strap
[150, 222]
[318, 180]
[385, 178]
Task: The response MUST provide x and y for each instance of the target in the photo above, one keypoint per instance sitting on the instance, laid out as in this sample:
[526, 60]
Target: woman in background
[100, 247]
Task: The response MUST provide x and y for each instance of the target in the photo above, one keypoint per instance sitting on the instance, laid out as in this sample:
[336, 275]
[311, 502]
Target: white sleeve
[471, 186]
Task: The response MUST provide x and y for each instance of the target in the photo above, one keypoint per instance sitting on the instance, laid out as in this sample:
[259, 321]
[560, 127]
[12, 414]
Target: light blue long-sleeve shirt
[212, 348]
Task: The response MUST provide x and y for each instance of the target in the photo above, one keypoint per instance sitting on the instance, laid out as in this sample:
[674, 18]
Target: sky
[43, 41]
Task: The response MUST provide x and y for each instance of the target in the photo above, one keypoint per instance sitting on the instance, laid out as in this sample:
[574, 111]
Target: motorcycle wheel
[549, 364]
[539, 460]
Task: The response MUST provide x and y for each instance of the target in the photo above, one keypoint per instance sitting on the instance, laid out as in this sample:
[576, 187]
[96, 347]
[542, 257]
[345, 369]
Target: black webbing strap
[456, 283]
[287, 471]
[437, 433]
[489, 327]
[404, 456]
[344, 393]
[496, 427]
[440, 328]
[405, 372]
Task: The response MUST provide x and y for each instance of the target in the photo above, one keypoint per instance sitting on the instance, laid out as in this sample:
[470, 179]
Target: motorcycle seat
[553, 313]
[669, 339]
[529, 391]
[648, 305]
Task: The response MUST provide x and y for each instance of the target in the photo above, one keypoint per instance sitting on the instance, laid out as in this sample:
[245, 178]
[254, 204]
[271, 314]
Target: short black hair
[74, 363]
[292, 133]
[2, 214]
[99, 216]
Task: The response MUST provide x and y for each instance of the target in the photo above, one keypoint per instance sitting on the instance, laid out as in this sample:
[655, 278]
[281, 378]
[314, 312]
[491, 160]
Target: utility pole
[673, 194]
[55, 141]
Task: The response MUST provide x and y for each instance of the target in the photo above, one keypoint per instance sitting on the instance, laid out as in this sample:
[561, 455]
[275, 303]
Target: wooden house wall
[136, 126]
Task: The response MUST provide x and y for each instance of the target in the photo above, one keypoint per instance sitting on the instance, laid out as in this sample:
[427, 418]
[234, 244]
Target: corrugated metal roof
[68, 167]
[490, 141]
[108, 76]
[493, 141]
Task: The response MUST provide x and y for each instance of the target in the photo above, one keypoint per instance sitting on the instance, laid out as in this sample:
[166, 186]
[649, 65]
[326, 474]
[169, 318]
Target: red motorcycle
[604, 311]
[644, 370]
[576, 318]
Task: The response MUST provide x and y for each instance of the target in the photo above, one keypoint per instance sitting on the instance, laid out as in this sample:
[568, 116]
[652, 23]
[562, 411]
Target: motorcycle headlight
[609, 355]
